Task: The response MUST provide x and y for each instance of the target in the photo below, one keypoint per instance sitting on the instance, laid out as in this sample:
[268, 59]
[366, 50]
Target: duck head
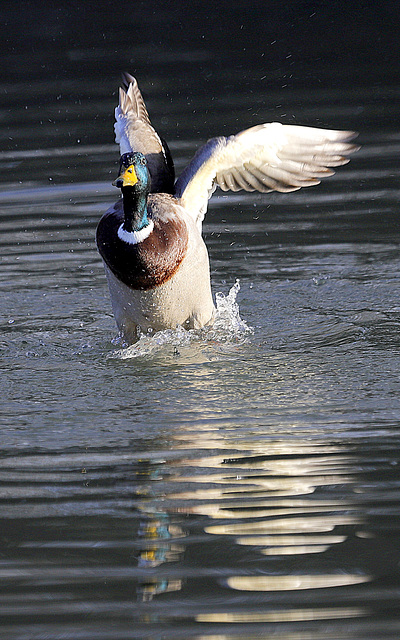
[134, 182]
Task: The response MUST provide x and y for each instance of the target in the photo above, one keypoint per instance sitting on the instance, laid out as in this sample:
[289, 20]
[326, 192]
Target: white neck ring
[135, 237]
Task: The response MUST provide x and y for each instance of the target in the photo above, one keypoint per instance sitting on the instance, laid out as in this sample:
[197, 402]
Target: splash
[228, 329]
[228, 325]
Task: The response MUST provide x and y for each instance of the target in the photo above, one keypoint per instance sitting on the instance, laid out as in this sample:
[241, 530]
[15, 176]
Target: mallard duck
[155, 258]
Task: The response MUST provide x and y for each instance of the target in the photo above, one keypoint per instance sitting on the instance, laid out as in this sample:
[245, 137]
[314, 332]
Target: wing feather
[268, 157]
[134, 132]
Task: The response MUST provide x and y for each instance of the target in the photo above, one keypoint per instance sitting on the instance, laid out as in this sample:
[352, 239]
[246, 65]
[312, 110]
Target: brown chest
[147, 264]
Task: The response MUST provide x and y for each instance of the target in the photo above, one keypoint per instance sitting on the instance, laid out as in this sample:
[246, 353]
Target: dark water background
[232, 486]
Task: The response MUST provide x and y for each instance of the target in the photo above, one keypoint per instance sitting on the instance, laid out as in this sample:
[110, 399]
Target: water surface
[233, 484]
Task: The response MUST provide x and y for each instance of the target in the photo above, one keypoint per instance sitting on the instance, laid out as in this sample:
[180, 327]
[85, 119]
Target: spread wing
[134, 132]
[268, 157]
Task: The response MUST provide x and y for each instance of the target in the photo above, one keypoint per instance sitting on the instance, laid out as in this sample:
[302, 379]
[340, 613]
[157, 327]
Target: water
[236, 483]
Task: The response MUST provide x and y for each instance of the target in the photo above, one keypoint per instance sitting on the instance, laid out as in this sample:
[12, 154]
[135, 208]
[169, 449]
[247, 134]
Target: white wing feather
[268, 157]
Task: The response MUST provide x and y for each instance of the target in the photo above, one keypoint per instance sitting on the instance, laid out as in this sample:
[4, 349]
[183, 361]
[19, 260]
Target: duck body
[163, 281]
[155, 258]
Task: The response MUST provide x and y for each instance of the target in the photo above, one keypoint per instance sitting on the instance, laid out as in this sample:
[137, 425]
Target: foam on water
[228, 328]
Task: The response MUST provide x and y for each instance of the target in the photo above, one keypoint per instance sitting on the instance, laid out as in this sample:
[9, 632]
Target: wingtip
[127, 79]
[130, 98]
[350, 149]
[353, 135]
[346, 136]
[127, 91]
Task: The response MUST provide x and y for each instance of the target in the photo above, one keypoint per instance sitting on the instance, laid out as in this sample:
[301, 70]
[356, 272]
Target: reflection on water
[181, 525]
[157, 549]
[274, 505]
[293, 582]
[283, 616]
